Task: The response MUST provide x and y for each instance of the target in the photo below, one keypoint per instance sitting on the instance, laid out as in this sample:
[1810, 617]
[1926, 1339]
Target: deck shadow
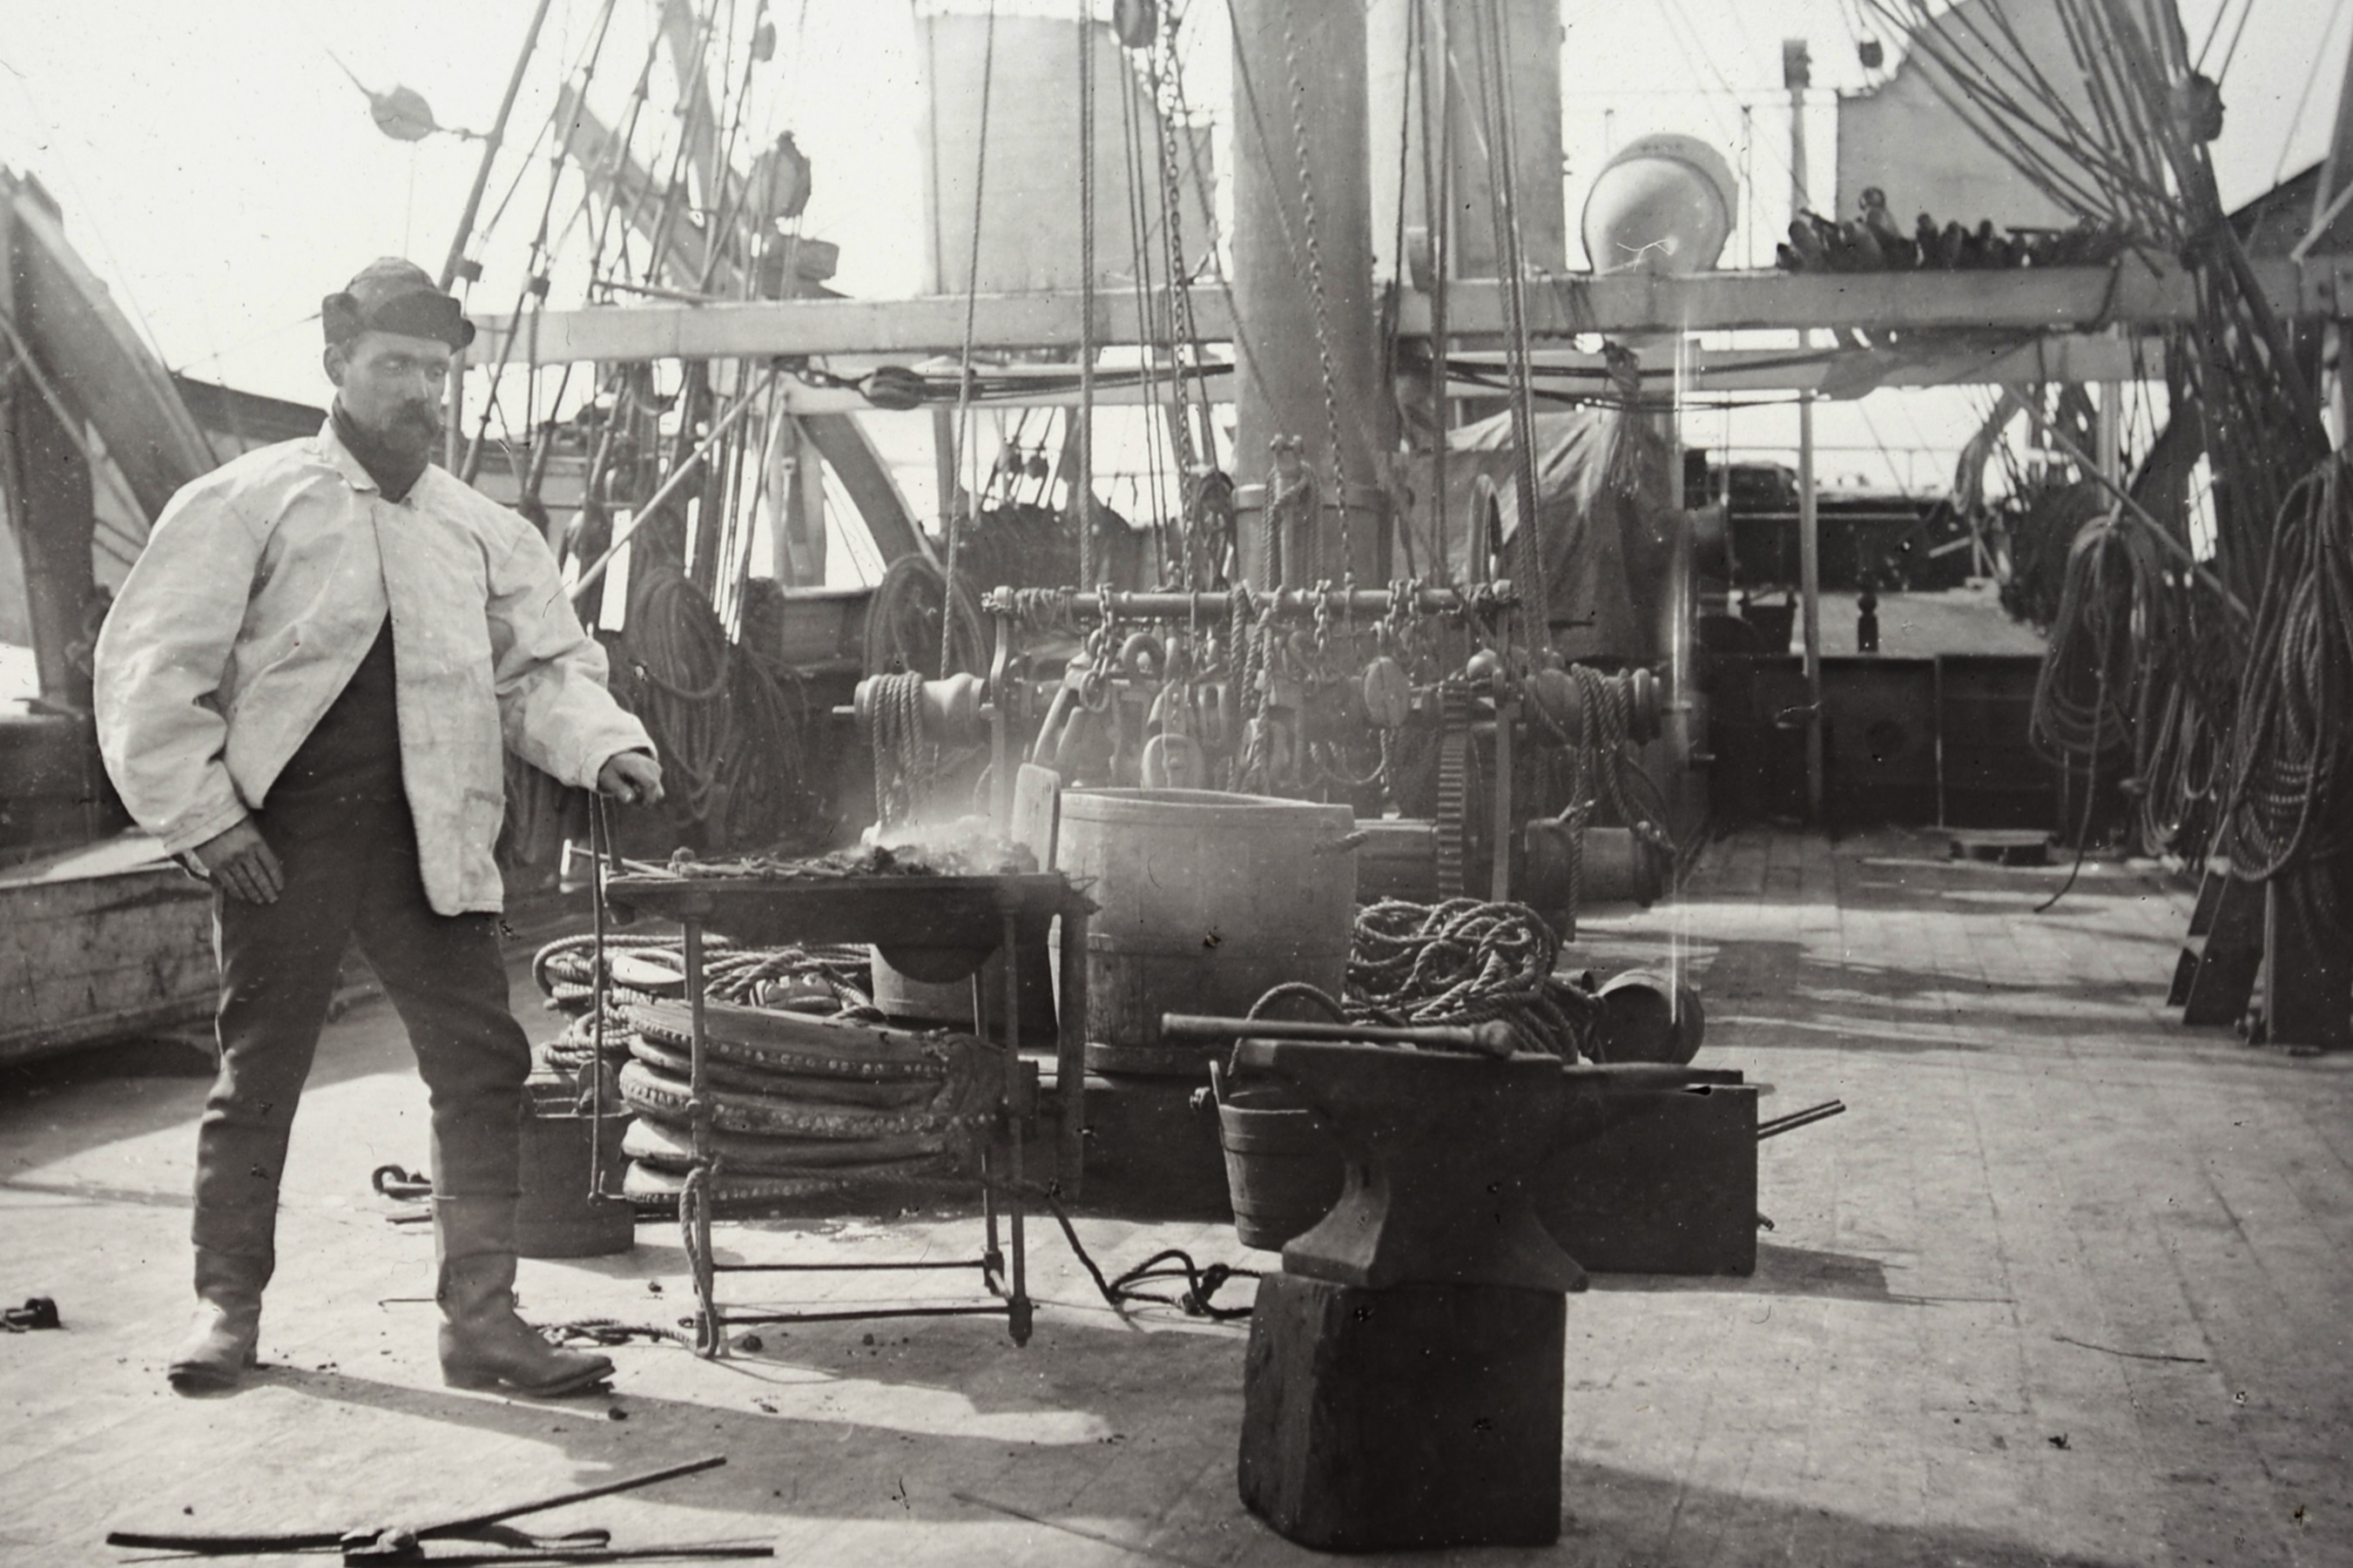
[1780, 1271]
[785, 1471]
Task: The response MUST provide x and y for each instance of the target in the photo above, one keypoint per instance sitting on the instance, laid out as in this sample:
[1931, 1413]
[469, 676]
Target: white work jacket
[262, 588]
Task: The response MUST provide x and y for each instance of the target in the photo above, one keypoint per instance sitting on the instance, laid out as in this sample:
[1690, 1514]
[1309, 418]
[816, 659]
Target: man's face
[391, 385]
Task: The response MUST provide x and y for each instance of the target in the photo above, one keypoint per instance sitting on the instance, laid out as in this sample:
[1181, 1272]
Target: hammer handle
[1491, 1040]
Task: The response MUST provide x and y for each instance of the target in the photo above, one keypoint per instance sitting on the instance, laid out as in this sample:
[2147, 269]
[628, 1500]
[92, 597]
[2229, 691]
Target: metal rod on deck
[1286, 602]
[1494, 1038]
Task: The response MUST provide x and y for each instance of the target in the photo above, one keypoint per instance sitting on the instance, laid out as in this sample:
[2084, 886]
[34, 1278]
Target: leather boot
[483, 1344]
[220, 1344]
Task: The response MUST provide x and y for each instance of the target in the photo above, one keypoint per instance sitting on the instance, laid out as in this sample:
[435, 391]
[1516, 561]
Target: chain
[1315, 289]
[1172, 220]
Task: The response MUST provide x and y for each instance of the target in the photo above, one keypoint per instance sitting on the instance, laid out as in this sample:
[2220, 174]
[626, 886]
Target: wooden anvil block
[1417, 1415]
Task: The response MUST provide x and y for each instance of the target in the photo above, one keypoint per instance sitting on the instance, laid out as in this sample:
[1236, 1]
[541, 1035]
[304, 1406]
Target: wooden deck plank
[2034, 1150]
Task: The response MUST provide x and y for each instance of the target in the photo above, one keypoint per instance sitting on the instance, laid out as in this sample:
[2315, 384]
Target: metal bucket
[1283, 1171]
[1647, 1016]
[558, 1216]
[903, 998]
[1205, 902]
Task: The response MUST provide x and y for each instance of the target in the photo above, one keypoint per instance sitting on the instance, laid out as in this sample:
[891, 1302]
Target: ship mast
[1304, 287]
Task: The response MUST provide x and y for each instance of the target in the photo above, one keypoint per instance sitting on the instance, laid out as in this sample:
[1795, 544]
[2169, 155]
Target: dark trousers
[351, 873]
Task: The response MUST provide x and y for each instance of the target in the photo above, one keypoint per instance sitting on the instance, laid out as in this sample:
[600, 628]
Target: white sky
[222, 174]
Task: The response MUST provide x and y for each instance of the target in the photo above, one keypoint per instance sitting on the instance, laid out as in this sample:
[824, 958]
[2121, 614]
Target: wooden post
[2308, 979]
[1809, 588]
[1796, 75]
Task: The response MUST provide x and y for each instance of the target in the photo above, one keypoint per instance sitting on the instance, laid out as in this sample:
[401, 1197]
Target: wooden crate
[100, 942]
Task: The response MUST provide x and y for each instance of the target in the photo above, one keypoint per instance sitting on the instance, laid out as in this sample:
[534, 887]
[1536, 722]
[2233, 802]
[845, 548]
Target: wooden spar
[2145, 289]
[491, 142]
[89, 352]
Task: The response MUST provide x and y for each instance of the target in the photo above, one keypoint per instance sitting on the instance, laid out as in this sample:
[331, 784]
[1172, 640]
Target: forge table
[939, 929]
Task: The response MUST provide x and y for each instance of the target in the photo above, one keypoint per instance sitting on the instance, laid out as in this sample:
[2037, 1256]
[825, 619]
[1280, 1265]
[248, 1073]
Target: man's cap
[391, 295]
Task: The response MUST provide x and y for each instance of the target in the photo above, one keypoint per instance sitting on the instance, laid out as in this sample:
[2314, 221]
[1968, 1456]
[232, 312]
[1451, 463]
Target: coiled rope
[906, 764]
[2292, 743]
[1465, 960]
[729, 740]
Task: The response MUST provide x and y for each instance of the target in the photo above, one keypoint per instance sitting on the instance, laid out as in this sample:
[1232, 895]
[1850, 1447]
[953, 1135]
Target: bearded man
[305, 690]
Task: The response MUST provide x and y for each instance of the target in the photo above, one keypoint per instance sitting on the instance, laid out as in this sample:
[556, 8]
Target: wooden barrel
[1283, 1171]
[1204, 902]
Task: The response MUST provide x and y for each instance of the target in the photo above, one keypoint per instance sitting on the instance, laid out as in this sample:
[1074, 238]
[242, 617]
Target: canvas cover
[1605, 510]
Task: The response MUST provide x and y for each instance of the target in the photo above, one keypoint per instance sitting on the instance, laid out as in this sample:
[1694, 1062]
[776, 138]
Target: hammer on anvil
[1438, 1144]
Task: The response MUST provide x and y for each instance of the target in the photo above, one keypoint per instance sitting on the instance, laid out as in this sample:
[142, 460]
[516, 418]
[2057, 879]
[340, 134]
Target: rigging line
[1183, 327]
[1989, 127]
[241, 344]
[1140, 287]
[2213, 29]
[1139, 229]
[2003, 117]
[2303, 99]
[1502, 207]
[1266, 145]
[2123, 136]
[617, 159]
[1082, 491]
[1322, 310]
[1880, 441]
[2091, 150]
[2119, 137]
[585, 69]
[735, 195]
[718, 433]
[716, 141]
[1681, 28]
[1390, 336]
[1245, 352]
[1436, 155]
[527, 297]
[523, 168]
[691, 89]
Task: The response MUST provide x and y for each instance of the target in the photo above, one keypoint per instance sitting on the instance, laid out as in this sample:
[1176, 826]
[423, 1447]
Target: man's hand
[241, 861]
[633, 778]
